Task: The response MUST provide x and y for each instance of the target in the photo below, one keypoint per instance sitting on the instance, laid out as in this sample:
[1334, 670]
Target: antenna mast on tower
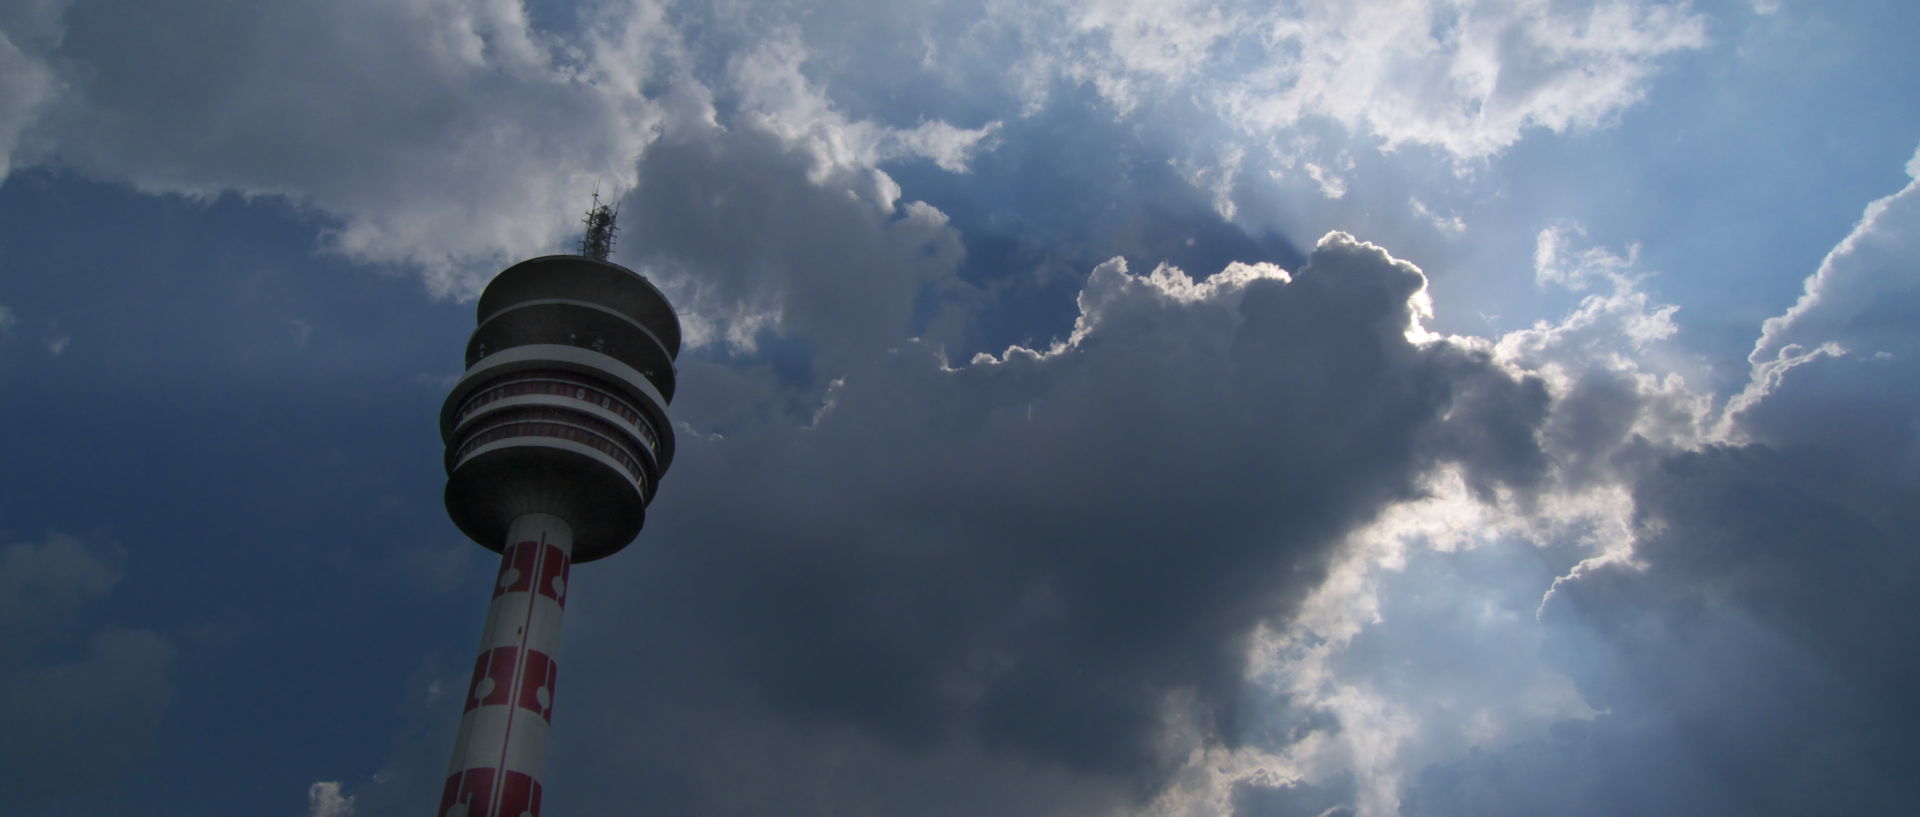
[597, 244]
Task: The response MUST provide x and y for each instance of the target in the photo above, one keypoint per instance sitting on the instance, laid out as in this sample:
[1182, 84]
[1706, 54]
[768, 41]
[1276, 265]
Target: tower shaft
[500, 755]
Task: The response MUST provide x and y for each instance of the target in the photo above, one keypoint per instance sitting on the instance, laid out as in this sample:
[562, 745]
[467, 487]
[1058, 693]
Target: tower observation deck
[557, 437]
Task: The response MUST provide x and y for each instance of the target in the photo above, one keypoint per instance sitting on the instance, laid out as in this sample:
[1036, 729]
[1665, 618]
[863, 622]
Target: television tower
[557, 436]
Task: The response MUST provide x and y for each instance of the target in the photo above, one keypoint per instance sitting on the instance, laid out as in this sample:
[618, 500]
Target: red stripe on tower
[516, 568]
[554, 568]
[536, 683]
[492, 678]
[471, 794]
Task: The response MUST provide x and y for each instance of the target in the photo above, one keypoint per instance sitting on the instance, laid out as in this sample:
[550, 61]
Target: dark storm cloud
[1055, 558]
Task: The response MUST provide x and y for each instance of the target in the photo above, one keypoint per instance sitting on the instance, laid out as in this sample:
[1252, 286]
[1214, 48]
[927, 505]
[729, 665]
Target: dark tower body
[557, 437]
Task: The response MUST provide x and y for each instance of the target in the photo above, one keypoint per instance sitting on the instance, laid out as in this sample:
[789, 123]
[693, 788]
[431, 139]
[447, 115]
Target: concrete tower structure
[557, 437]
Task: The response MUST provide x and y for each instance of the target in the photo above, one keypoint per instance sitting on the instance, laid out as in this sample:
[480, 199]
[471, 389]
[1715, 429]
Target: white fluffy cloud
[777, 96]
[434, 133]
[1468, 78]
[325, 800]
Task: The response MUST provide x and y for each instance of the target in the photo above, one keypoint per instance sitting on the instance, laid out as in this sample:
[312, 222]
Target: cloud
[777, 96]
[45, 584]
[1466, 78]
[449, 137]
[781, 243]
[1556, 262]
[422, 130]
[1450, 225]
[1610, 361]
[325, 800]
[82, 717]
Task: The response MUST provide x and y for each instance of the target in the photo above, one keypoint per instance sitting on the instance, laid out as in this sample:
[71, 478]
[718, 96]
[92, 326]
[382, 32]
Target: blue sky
[1420, 407]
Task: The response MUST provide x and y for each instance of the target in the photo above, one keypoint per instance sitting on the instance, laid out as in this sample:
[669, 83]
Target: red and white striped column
[501, 753]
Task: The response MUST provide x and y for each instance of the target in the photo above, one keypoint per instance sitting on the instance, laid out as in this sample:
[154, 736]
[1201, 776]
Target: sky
[1113, 408]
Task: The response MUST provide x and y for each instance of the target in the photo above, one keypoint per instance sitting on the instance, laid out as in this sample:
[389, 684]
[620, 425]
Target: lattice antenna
[597, 244]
